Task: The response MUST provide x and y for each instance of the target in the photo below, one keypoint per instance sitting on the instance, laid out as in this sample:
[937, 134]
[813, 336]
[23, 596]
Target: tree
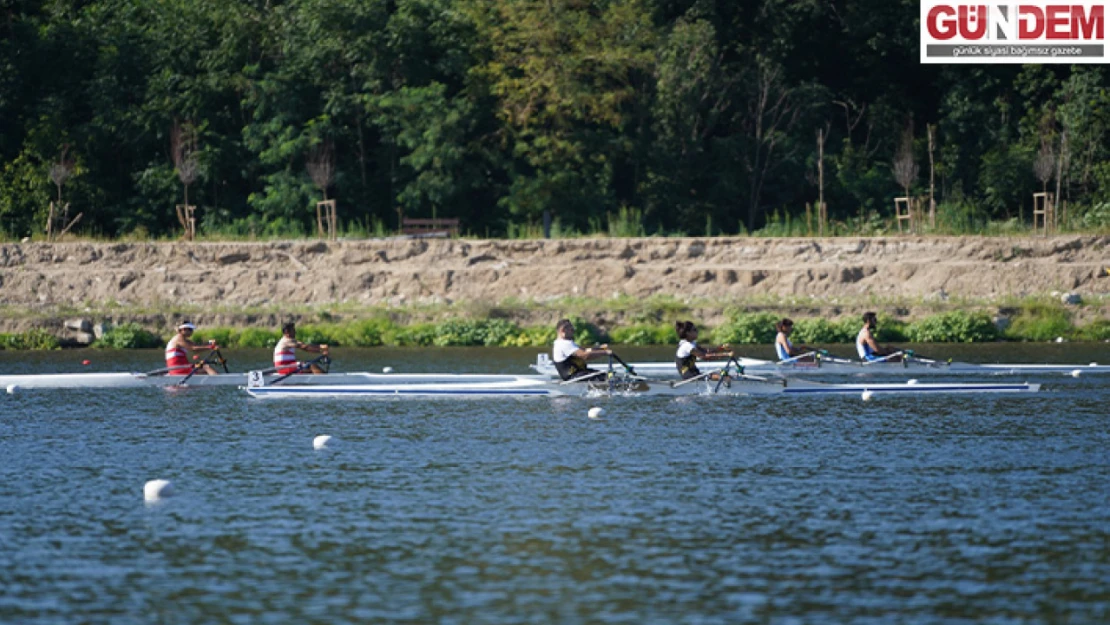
[321, 168]
[60, 171]
[183, 145]
[905, 163]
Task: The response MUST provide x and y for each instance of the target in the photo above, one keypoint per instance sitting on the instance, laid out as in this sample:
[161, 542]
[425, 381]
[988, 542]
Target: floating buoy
[1059, 339]
[321, 442]
[157, 489]
[86, 362]
[387, 369]
[1076, 373]
[867, 395]
[12, 388]
[596, 412]
[912, 382]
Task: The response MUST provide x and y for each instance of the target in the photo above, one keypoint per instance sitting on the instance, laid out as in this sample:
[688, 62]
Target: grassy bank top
[1035, 323]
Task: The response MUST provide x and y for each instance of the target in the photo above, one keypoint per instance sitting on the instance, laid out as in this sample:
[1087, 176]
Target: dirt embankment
[402, 272]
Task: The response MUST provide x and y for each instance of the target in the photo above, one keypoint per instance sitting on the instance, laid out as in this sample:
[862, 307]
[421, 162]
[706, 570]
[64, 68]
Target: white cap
[186, 326]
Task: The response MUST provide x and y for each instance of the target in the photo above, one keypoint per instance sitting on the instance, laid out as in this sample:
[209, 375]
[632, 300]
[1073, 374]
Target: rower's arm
[315, 349]
[194, 347]
[587, 353]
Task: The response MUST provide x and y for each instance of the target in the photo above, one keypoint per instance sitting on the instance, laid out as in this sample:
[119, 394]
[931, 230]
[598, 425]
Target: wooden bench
[430, 227]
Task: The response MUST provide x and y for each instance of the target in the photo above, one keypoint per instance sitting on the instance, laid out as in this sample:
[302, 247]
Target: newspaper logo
[995, 31]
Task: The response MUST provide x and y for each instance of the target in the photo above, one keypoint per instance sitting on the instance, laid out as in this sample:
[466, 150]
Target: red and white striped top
[285, 356]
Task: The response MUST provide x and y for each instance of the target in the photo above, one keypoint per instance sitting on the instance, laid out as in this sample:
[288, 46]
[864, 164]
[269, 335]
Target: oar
[301, 367]
[929, 361]
[157, 372]
[627, 367]
[796, 358]
[825, 355]
[884, 358]
[724, 372]
[583, 378]
[200, 365]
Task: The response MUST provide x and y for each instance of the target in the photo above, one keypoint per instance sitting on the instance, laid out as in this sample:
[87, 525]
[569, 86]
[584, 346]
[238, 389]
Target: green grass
[633, 321]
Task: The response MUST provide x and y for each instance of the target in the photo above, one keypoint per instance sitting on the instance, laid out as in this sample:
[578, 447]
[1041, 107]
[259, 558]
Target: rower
[689, 352]
[177, 351]
[866, 345]
[569, 358]
[784, 348]
[285, 353]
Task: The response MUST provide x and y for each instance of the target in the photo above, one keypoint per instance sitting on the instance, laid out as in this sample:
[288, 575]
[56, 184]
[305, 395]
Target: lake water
[957, 509]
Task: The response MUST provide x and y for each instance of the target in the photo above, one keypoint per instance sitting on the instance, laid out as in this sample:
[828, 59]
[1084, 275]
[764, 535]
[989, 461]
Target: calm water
[700, 510]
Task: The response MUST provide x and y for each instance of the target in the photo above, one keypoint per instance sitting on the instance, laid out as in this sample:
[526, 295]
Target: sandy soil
[400, 272]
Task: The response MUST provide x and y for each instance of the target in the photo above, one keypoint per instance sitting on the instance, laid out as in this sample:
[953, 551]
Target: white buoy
[387, 369]
[157, 489]
[321, 442]
[1076, 373]
[1059, 339]
[912, 382]
[12, 388]
[867, 395]
[596, 412]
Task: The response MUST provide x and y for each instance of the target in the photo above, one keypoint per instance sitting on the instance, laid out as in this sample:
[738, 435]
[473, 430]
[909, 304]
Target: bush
[1096, 331]
[824, 331]
[329, 334]
[368, 333]
[644, 334]
[30, 340]
[128, 336]
[535, 336]
[257, 337]
[224, 337]
[461, 332]
[953, 327]
[747, 328]
[417, 335]
[1040, 323]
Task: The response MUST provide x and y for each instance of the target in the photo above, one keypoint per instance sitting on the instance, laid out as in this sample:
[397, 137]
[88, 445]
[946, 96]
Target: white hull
[538, 386]
[139, 380]
[910, 368]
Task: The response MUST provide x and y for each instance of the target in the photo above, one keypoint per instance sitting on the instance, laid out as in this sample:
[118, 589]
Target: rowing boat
[524, 386]
[141, 380]
[824, 366]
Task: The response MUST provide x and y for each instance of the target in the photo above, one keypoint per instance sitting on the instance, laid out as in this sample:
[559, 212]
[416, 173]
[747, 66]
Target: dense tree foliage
[680, 115]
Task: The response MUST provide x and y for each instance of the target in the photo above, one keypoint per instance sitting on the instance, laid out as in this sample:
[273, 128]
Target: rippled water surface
[697, 510]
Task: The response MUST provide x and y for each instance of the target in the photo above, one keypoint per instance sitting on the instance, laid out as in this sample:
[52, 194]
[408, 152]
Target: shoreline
[609, 282]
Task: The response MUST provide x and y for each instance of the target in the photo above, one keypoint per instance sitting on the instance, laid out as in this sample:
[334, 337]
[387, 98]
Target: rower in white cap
[177, 352]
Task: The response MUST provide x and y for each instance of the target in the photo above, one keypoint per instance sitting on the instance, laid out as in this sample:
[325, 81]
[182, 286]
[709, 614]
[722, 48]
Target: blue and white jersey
[783, 352]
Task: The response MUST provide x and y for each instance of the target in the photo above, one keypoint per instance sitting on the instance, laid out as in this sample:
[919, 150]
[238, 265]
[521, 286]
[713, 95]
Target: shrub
[1096, 331]
[535, 336]
[461, 332]
[224, 337]
[327, 334]
[31, 340]
[128, 336]
[257, 337]
[825, 331]
[368, 332]
[416, 335]
[953, 327]
[747, 328]
[1040, 323]
[644, 334]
